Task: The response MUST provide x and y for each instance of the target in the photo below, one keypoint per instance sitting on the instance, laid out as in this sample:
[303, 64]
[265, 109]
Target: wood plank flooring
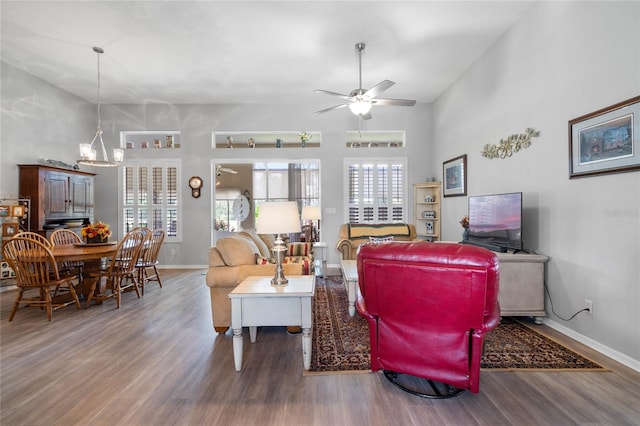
[157, 361]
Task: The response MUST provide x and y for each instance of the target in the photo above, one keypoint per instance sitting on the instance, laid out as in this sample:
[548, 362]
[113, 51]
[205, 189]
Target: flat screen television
[495, 221]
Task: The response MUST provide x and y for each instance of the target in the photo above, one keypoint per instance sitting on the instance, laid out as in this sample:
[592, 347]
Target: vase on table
[96, 240]
[465, 234]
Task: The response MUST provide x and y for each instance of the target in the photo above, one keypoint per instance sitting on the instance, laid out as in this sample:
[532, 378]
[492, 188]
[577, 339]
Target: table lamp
[311, 213]
[278, 218]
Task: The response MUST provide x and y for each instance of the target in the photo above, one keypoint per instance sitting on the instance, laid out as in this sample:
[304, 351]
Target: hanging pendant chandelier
[88, 154]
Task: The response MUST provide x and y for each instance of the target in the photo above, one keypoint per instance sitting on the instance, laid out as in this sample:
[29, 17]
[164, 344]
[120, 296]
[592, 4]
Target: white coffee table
[256, 302]
[350, 276]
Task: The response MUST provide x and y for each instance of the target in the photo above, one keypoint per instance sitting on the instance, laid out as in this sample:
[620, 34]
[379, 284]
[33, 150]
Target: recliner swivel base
[422, 387]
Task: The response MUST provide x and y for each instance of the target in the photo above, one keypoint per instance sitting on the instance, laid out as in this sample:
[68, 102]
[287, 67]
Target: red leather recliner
[429, 306]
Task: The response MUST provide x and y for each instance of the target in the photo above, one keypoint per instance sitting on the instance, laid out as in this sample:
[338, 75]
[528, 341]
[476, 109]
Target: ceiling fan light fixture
[360, 107]
[88, 155]
[361, 100]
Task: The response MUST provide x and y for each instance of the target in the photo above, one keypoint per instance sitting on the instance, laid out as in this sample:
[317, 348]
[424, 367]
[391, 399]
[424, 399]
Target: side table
[320, 258]
[256, 302]
[350, 277]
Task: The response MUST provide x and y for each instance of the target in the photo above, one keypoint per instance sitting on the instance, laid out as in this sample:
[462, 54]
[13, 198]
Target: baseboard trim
[183, 266]
[603, 349]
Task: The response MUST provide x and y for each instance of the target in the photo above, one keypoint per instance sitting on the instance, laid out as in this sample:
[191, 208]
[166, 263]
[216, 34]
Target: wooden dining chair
[34, 236]
[149, 259]
[120, 272]
[36, 269]
[61, 237]
[64, 236]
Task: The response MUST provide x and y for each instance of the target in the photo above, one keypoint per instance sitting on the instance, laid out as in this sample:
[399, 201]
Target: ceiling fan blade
[331, 109]
[220, 169]
[379, 88]
[394, 102]
[340, 95]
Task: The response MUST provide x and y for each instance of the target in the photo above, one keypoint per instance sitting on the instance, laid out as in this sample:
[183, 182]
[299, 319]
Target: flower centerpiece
[465, 224]
[304, 138]
[96, 232]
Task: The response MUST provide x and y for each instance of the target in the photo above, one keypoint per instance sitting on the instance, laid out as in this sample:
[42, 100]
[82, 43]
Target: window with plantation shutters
[150, 196]
[376, 190]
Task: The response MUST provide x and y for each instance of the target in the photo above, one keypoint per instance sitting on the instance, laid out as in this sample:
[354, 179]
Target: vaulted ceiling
[250, 51]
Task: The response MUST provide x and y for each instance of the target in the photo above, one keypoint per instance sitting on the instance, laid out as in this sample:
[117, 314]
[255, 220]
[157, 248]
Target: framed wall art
[454, 177]
[605, 141]
[17, 211]
[9, 229]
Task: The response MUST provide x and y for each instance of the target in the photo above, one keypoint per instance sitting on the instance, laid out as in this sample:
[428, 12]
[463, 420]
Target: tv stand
[522, 285]
[521, 291]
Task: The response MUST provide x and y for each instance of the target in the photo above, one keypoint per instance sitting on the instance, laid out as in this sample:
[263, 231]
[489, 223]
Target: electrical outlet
[588, 305]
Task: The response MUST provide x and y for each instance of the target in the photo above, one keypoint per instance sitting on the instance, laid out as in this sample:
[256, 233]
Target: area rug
[341, 342]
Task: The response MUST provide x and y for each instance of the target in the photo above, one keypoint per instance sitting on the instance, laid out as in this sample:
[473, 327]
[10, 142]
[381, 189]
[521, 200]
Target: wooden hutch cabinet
[59, 197]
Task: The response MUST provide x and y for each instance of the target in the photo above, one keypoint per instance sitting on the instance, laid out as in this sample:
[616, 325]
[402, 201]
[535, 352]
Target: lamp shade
[311, 213]
[278, 218]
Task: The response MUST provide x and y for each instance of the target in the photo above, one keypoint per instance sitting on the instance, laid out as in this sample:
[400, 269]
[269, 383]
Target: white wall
[39, 121]
[563, 60]
[197, 122]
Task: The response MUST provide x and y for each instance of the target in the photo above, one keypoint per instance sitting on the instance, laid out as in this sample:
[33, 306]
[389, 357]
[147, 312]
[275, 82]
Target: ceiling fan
[361, 100]
[220, 170]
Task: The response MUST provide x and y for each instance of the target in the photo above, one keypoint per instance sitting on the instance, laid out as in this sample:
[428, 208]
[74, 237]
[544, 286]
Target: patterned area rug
[341, 342]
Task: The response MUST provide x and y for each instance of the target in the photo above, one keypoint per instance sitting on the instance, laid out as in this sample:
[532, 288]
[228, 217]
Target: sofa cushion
[262, 246]
[269, 240]
[215, 258]
[361, 230]
[261, 260]
[237, 250]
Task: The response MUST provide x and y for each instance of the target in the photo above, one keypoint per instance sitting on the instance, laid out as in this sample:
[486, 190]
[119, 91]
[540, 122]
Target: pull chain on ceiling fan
[361, 100]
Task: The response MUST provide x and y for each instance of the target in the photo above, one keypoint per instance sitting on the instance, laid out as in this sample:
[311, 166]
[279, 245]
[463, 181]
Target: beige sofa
[234, 258]
[354, 234]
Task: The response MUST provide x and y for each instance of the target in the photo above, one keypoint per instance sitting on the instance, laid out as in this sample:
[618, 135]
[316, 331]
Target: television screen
[496, 220]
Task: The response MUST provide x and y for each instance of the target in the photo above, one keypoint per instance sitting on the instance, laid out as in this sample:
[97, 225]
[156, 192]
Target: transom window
[376, 190]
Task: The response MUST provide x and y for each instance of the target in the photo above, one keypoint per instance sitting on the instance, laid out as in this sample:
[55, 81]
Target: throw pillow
[237, 250]
[269, 240]
[264, 250]
[304, 260]
[261, 260]
[299, 249]
[377, 240]
[215, 258]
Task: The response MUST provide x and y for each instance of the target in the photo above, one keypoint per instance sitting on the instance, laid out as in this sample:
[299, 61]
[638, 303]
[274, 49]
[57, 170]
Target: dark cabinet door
[81, 195]
[56, 194]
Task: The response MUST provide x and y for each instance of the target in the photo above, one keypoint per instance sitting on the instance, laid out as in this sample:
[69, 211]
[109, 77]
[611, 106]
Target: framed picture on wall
[454, 177]
[9, 229]
[17, 211]
[605, 141]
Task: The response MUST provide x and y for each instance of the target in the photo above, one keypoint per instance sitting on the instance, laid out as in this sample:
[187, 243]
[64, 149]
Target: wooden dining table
[84, 252]
[90, 254]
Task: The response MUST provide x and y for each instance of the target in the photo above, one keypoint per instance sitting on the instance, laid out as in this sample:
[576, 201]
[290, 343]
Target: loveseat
[351, 235]
[245, 254]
